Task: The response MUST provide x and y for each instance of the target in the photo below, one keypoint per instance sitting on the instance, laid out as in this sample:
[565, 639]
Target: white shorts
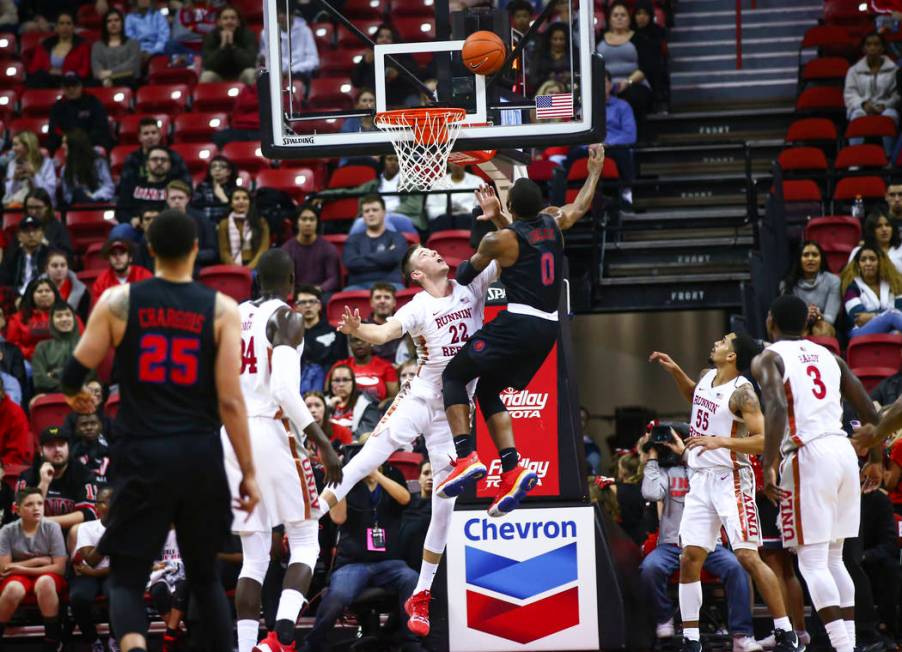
[822, 499]
[721, 498]
[288, 491]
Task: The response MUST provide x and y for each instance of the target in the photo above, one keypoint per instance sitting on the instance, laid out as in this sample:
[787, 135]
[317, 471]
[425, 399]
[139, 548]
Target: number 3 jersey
[441, 326]
[811, 380]
[712, 417]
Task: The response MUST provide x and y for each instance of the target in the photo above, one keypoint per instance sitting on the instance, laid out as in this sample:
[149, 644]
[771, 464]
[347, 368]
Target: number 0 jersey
[256, 357]
[712, 417]
[811, 380]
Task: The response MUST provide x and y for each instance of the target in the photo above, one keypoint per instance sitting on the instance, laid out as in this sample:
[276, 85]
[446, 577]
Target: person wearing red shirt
[63, 52]
[316, 403]
[32, 323]
[16, 441]
[894, 475]
[118, 251]
[374, 376]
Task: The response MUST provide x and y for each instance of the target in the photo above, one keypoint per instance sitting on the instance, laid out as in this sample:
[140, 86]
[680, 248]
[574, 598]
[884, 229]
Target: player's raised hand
[488, 200]
[350, 321]
[332, 464]
[595, 164]
[248, 494]
[664, 360]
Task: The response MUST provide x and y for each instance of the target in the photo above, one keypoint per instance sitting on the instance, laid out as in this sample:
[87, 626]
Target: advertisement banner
[524, 582]
[534, 412]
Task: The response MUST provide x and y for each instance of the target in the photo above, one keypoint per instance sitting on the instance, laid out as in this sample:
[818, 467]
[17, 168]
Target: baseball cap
[30, 222]
[116, 243]
[51, 433]
[71, 79]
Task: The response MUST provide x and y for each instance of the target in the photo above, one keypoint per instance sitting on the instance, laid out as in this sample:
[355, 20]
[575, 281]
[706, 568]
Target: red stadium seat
[801, 190]
[415, 29]
[834, 232]
[412, 238]
[89, 226]
[407, 463]
[870, 377]
[830, 40]
[821, 99]
[246, 155]
[116, 100]
[860, 156]
[117, 158]
[339, 63]
[324, 35]
[130, 126]
[251, 11]
[197, 155]
[233, 280]
[875, 351]
[337, 239]
[48, 410]
[11, 221]
[112, 406]
[347, 39]
[326, 126]
[359, 299]
[415, 8]
[38, 126]
[12, 74]
[220, 96]
[87, 17]
[837, 259]
[162, 98]
[160, 71]
[340, 209]
[37, 102]
[349, 176]
[88, 276]
[9, 47]
[198, 127]
[92, 258]
[871, 126]
[329, 93]
[363, 9]
[8, 100]
[298, 183]
[868, 187]
[542, 171]
[825, 69]
[453, 245]
[829, 342]
[402, 297]
[802, 158]
[811, 130]
[29, 41]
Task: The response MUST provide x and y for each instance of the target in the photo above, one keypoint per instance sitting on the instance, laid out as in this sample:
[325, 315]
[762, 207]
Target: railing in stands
[738, 34]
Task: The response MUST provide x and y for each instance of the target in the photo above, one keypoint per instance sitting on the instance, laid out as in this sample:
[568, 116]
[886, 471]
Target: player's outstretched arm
[766, 371]
[351, 324]
[572, 212]
[493, 246]
[491, 208]
[684, 383]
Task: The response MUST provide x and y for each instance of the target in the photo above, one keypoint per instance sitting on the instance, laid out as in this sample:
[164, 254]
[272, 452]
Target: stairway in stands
[686, 242]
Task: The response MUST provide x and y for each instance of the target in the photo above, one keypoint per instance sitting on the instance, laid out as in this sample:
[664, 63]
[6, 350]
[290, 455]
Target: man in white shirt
[456, 214]
[91, 570]
[301, 58]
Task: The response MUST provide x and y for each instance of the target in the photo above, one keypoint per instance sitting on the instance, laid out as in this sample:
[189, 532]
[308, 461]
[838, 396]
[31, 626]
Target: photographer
[666, 480]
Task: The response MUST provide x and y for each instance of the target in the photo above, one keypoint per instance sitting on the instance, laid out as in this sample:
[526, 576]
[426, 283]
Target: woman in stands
[28, 170]
[552, 60]
[320, 411]
[811, 280]
[622, 60]
[31, 324]
[870, 87]
[115, 58]
[63, 52]
[366, 101]
[351, 408]
[650, 40]
[70, 288]
[85, 177]
[872, 290]
[880, 231]
[243, 236]
[39, 205]
[211, 196]
[230, 50]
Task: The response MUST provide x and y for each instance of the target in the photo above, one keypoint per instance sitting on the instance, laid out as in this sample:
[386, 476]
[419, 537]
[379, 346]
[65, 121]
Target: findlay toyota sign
[524, 582]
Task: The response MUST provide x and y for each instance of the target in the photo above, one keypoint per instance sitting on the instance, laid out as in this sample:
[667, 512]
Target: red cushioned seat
[860, 156]
[884, 350]
[246, 155]
[219, 96]
[833, 231]
[37, 102]
[117, 100]
[198, 127]
[163, 98]
[233, 280]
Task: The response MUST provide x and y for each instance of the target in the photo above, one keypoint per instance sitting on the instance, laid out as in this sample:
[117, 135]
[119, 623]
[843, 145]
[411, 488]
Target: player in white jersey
[440, 319]
[802, 386]
[725, 427]
[272, 340]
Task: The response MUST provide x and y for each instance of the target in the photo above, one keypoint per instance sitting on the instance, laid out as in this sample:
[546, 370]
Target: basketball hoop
[423, 139]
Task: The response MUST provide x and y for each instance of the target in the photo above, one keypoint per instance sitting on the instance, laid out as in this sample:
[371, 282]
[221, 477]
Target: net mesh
[423, 139]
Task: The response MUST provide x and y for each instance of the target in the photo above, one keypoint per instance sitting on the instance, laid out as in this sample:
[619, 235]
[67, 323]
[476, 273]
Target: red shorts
[28, 581]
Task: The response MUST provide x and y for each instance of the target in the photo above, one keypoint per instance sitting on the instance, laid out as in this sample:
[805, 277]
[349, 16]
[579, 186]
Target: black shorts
[510, 348]
[162, 481]
[768, 513]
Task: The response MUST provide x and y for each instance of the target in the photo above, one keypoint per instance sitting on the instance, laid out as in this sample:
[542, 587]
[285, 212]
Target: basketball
[483, 53]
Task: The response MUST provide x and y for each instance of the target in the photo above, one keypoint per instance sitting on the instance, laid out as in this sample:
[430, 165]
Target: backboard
[549, 92]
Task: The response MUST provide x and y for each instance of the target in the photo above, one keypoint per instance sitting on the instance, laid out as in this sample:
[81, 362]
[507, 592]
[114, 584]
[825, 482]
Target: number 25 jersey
[811, 380]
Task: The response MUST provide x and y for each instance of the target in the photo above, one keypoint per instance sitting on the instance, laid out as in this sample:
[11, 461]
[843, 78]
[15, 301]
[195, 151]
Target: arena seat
[129, 126]
[11, 221]
[363, 9]
[88, 226]
[415, 29]
[118, 155]
[452, 245]
[9, 100]
[860, 156]
[416, 8]
[39, 126]
[829, 342]
[359, 299]
[848, 188]
[197, 155]
[164, 98]
[329, 93]
[831, 231]
[870, 377]
[324, 35]
[117, 100]
[111, 409]
[87, 16]
[297, 182]
[825, 69]
[347, 39]
[803, 158]
[883, 350]
[12, 74]
[246, 155]
[198, 127]
[48, 410]
[801, 190]
[821, 99]
[349, 176]
[218, 96]
[92, 258]
[871, 126]
[337, 239]
[403, 297]
[812, 130]
[9, 46]
[88, 276]
[233, 280]
[542, 171]
[161, 71]
[29, 41]
[339, 63]
[37, 102]
[412, 238]
[830, 40]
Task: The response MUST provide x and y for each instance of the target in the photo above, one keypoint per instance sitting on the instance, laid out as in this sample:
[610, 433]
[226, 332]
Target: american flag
[558, 105]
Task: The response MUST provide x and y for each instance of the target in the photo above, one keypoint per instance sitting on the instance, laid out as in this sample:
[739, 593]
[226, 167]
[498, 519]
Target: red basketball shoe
[466, 469]
[515, 484]
[417, 608]
[271, 644]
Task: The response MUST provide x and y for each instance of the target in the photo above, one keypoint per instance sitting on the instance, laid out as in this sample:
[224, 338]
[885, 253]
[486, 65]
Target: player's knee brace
[489, 400]
[454, 383]
[255, 548]
[841, 575]
[439, 523]
[303, 542]
[813, 563]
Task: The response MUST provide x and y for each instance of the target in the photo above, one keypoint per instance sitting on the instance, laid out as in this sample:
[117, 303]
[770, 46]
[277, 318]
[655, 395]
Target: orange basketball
[484, 53]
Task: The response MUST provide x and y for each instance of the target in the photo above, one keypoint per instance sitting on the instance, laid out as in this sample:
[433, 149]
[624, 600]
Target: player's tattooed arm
[744, 404]
[766, 368]
[118, 302]
[684, 383]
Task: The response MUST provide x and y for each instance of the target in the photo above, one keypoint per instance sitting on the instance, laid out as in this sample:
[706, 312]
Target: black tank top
[165, 362]
[534, 279]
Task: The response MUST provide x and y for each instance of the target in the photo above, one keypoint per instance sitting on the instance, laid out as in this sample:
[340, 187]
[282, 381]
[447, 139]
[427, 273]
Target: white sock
[247, 634]
[783, 623]
[427, 574]
[690, 605]
[850, 630]
[290, 604]
[692, 633]
[839, 637]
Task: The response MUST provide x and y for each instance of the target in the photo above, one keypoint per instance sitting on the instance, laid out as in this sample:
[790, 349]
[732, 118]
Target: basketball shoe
[691, 646]
[417, 608]
[466, 469]
[515, 484]
[271, 644]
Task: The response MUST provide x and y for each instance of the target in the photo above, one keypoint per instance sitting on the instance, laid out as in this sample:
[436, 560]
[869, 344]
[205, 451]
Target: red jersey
[895, 455]
[372, 376]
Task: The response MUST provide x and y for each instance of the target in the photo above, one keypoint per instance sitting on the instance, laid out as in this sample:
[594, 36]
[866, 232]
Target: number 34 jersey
[712, 417]
[811, 380]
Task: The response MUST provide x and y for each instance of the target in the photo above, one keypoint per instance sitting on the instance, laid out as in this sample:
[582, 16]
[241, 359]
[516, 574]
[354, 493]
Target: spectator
[368, 554]
[650, 40]
[66, 484]
[521, 13]
[621, 135]
[552, 59]
[70, 288]
[323, 345]
[880, 557]
[28, 170]
[397, 86]
[76, 110]
[119, 252]
[9, 17]
[115, 58]
[366, 101]
[91, 447]
[85, 177]
[51, 355]
[319, 409]
[453, 211]
[893, 200]
[12, 362]
[178, 196]
[298, 50]
[244, 122]
[666, 481]
[372, 375]
[316, 261]
[91, 572]
[56, 236]
[148, 27]
[870, 87]
[622, 60]
[230, 50]
[810, 280]
[243, 235]
[32, 323]
[407, 371]
[190, 24]
[13, 388]
[592, 452]
[350, 407]
[415, 519]
[15, 434]
[95, 388]
[137, 194]
[211, 196]
[64, 53]
[878, 230]
[142, 255]
[888, 390]
[33, 562]
[872, 290]
[376, 254]
[24, 259]
[382, 306]
[136, 164]
[629, 497]
[169, 590]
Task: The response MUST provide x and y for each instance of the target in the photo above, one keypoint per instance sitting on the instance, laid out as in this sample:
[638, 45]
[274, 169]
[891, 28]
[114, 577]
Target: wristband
[73, 379]
[466, 273]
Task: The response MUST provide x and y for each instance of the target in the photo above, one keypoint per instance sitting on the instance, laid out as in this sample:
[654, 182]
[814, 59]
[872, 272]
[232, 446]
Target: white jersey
[256, 352]
[712, 417]
[441, 326]
[811, 380]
